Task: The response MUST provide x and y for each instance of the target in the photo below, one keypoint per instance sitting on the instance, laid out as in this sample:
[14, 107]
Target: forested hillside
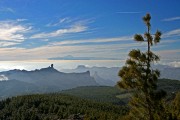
[91, 103]
[116, 95]
[57, 106]
[98, 93]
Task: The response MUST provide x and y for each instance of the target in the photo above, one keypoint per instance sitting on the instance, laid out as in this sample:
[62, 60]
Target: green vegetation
[138, 75]
[98, 93]
[170, 86]
[57, 106]
[124, 96]
[116, 95]
[61, 106]
[175, 107]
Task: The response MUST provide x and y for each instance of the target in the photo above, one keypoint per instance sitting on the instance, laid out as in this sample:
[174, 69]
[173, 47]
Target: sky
[38, 30]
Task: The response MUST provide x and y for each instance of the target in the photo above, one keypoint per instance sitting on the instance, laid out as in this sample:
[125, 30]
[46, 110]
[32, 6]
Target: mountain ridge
[44, 80]
[167, 72]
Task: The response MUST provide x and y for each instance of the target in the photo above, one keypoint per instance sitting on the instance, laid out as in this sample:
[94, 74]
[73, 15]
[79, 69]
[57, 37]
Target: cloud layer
[77, 28]
[12, 32]
[172, 33]
[6, 9]
[96, 40]
[171, 19]
[17, 32]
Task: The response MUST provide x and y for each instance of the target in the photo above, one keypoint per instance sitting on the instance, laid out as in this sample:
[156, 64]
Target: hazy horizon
[64, 64]
[58, 64]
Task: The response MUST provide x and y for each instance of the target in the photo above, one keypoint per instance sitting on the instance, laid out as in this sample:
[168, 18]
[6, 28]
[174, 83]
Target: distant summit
[52, 66]
[70, 57]
[48, 69]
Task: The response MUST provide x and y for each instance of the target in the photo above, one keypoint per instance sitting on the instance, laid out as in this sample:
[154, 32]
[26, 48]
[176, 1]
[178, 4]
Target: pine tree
[138, 75]
[176, 107]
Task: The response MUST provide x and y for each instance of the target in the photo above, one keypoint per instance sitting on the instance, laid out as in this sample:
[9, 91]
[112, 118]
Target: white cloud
[172, 33]
[44, 52]
[61, 21]
[21, 20]
[64, 20]
[169, 55]
[12, 31]
[171, 19]
[7, 43]
[73, 29]
[105, 40]
[168, 41]
[98, 40]
[6, 9]
[169, 52]
[66, 47]
[174, 64]
[119, 51]
[3, 78]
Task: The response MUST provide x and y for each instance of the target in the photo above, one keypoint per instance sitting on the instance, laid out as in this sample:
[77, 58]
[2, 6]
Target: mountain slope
[116, 95]
[14, 87]
[97, 93]
[57, 106]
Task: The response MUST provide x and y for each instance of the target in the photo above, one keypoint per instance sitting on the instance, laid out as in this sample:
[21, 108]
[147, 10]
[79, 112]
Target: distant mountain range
[40, 81]
[18, 82]
[110, 75]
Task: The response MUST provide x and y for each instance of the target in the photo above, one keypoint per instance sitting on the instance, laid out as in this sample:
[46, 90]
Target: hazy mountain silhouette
[105, 73]
[43, 80]
[112, 73]
[14, 87]
[103, 82]
[17, 82]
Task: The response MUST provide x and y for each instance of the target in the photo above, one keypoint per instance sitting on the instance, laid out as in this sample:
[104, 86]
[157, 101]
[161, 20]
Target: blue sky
[42, 29]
